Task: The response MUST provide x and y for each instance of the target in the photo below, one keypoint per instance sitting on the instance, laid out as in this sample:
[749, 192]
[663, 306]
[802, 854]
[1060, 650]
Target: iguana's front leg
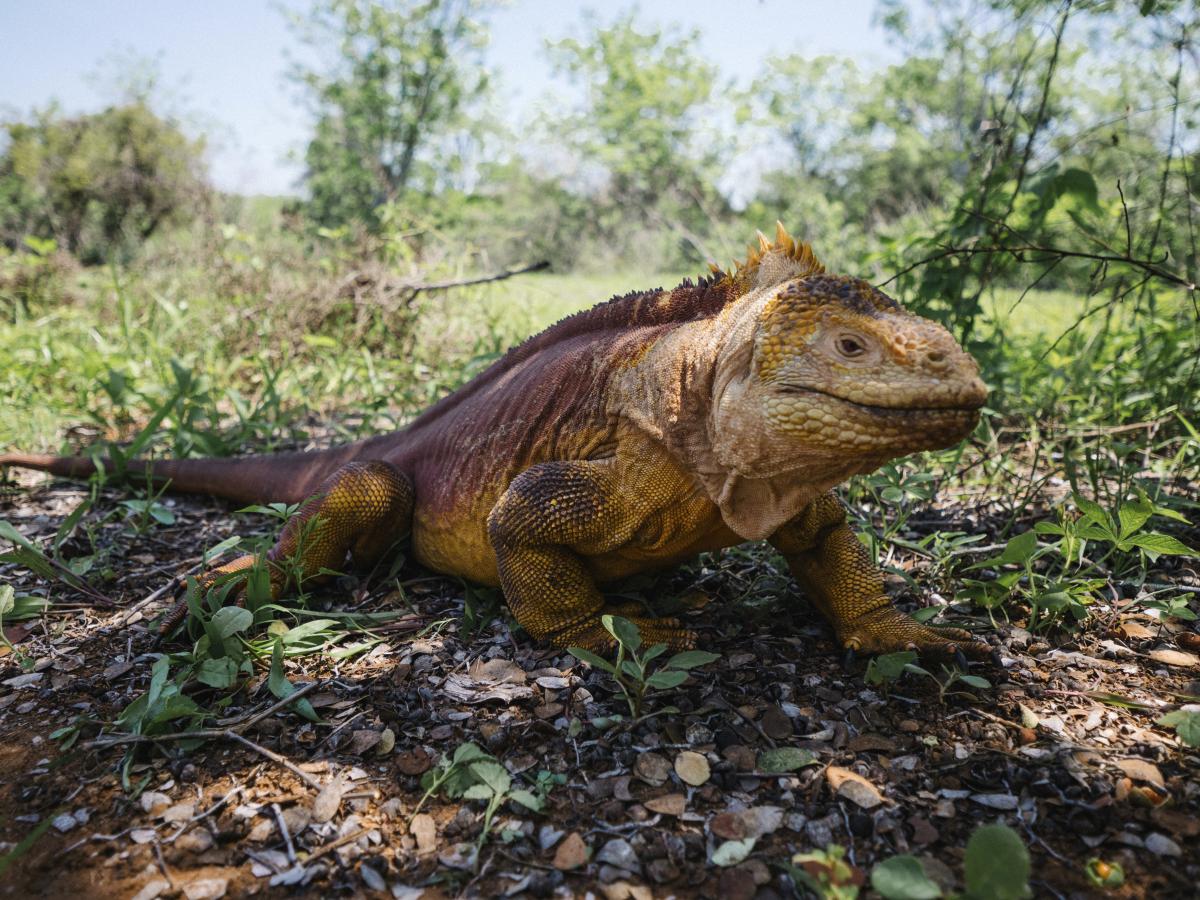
[845, 584]
[551, 517]
[360, 511]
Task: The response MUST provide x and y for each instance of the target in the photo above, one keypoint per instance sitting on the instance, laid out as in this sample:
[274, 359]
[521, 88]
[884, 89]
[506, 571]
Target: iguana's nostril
[935, 356]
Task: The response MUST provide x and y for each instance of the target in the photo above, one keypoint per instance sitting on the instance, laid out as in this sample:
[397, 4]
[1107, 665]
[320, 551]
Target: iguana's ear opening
[773, 262]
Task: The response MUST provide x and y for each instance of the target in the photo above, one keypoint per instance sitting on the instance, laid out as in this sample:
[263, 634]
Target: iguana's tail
[276, 478]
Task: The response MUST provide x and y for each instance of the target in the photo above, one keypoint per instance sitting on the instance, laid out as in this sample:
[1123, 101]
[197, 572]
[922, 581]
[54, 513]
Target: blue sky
[223, 61]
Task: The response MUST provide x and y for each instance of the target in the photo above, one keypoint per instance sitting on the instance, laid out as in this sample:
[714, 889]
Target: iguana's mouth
[959, 406]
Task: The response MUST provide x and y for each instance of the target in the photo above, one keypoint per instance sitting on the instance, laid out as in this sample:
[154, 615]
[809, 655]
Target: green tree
[647, 122]
[98, 184]
[394, 90]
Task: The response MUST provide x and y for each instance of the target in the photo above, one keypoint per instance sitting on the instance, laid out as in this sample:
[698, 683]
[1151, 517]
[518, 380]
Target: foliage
[996, 867]
[100, 184]
[1186, 722]
[472, 774]
[632, 672]
[398, 93]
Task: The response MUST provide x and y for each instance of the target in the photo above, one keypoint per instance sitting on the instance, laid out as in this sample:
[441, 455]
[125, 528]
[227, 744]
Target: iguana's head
[837, 370]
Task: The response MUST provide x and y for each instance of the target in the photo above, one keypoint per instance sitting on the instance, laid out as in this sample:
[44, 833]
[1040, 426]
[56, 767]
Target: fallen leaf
[571, 853]
[1175, 658]
[1141, 770]
[495, 679]
[785, 759]
[327, 802]
[667, 804]
[206, 889]
[853, 787]
[731, 853]
[414, 762]
[692, 767]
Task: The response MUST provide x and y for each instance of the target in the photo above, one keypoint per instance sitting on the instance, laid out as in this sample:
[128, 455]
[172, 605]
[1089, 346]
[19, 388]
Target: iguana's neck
[694, 393]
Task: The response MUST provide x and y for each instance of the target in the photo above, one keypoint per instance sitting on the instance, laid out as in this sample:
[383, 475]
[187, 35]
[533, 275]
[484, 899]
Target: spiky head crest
[772, 262]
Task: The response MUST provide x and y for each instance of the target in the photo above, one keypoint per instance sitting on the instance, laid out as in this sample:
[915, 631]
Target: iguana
[632, 436]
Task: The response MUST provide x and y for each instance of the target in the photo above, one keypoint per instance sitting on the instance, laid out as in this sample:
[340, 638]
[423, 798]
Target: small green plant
[826, 873]
[886, 669]
[1104, 874]
[1172, 608]
[472, 774]
[996, 866]
[632, 671]
[1186, 722]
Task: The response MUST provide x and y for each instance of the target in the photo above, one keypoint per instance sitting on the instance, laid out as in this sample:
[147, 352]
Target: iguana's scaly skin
[633, 436]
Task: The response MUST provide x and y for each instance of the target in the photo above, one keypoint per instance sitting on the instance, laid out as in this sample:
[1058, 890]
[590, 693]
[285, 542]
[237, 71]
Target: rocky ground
[773, 749]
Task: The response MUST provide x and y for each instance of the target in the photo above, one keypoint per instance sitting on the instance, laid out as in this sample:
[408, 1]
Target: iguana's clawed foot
[179, 611]
[592, 635]
[887, 630]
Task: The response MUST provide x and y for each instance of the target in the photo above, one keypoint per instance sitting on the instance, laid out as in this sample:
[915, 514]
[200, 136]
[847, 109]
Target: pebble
[1161, 845]
[619, 852]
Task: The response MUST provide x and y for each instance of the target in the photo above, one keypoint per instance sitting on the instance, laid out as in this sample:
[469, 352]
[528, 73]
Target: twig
[283, 830]
[340, 842]
[482, 279]
[275, 758]
[205, 733]
[167, 588]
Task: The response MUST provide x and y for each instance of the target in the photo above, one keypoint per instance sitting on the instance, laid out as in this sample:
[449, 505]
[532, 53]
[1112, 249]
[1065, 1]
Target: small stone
[692, 767]
[154, 802]
[261, 831]
[180, 812]
[652, 768]
[1161, 845]
[424, 830]
[737, 883]
[728, 826]
[776, 724]
[372, 879]
[152, 889]
[911, 726]
[195, 841]
[571, 853]
[619, 852]
[206, 889]
[660, 871]
[64, 822]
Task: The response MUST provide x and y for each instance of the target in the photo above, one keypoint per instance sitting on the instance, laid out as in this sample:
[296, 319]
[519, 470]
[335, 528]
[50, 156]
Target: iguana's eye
[850, 347]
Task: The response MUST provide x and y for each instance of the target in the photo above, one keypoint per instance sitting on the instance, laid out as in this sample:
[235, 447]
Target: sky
[223, 62]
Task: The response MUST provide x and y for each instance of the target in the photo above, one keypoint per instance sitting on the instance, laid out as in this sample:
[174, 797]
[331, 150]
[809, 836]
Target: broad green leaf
[996, 865]
[491, 773]
[526, 799]
[218, 673]
[591, 659]
[655, 651]
[1186, 723]
[468, 752]
[890, 666]
[478, 792]
[976, 681]
[279, 686]
[1161, 544]
[689, 659]
[229, 620]
[623, 630]
[7, 599]
[785, 759]
[1132, 516]
[904, 878]
[665, 680]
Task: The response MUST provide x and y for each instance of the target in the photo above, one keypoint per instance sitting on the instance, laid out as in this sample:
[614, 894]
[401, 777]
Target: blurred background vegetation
[1027, 173]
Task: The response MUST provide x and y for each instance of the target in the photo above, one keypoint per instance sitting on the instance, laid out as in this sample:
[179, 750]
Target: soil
[1063, 747]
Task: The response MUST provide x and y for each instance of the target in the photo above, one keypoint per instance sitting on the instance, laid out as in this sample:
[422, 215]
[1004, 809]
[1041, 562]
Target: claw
[848, 659]
[960, 658]
[997, 659]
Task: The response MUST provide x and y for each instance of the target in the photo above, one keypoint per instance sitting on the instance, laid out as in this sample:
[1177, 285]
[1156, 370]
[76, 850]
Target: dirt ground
[284, 807]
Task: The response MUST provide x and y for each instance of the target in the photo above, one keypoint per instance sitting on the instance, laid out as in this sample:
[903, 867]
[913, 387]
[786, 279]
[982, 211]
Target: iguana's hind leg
[845, 584]
[359, 512]
[549, 520]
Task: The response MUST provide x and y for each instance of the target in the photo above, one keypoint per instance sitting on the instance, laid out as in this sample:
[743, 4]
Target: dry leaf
[1141, 770]
[652, 768]
[692, 767]
[668, 804]
[571, 853]
[853, 787]
[1175, 658]
[328, 800]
